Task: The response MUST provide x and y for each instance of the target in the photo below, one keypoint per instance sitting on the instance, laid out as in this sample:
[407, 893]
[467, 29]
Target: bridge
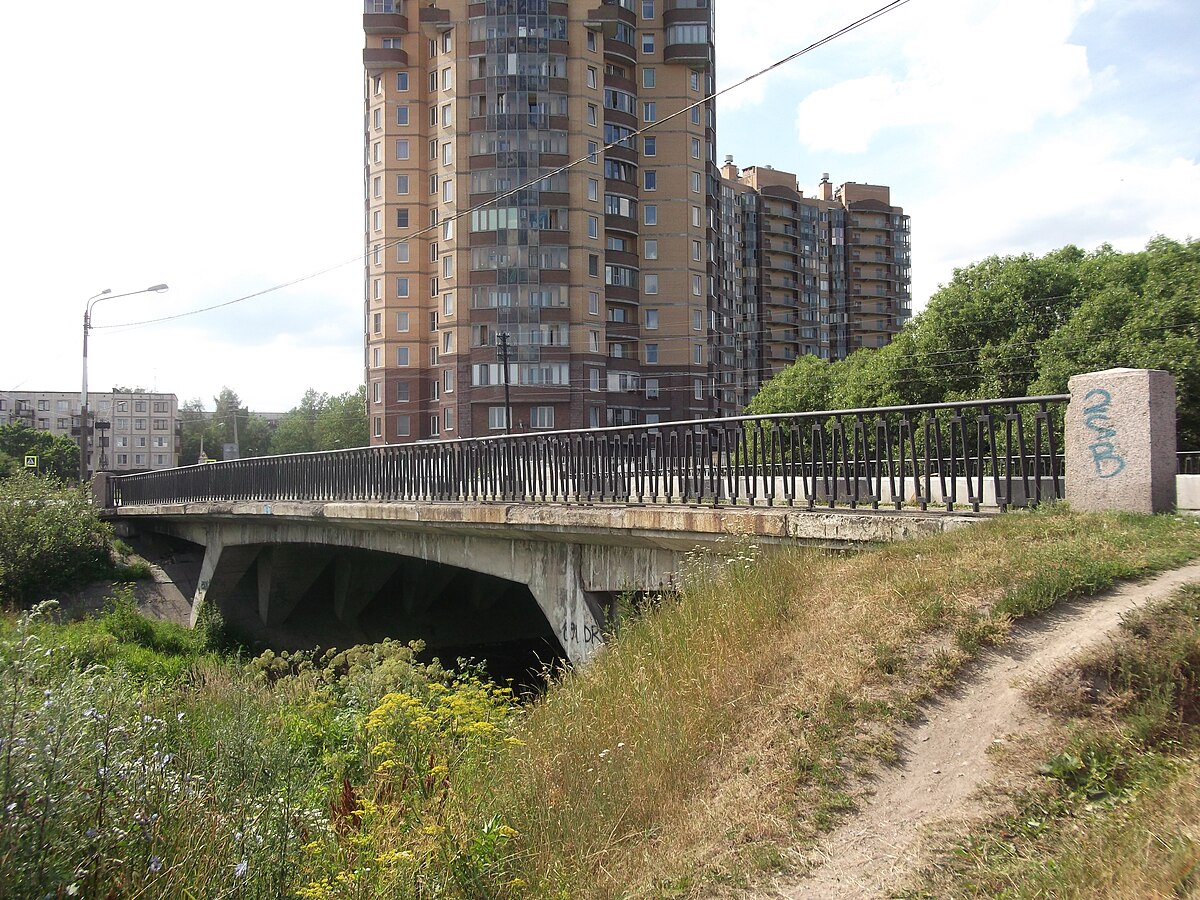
[534, 536]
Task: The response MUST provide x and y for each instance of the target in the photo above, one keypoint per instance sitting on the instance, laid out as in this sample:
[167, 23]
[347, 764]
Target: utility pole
[503, 338]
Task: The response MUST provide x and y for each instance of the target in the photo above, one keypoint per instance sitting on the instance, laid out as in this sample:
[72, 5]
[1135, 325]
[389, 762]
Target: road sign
[31, 462]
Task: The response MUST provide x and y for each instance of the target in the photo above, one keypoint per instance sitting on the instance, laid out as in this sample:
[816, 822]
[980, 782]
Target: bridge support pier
[222, 568]
[284, 575]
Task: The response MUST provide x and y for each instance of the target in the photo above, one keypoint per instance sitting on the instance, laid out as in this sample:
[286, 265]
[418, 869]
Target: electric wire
[586, 159]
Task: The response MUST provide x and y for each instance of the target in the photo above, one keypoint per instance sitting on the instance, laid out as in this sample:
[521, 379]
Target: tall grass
[1114, 811]
[723, 726]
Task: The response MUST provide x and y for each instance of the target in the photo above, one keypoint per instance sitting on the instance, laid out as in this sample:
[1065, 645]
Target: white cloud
[974, 71]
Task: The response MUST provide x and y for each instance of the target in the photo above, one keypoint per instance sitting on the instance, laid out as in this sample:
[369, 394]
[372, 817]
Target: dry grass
[726, 729]
[1104, 801]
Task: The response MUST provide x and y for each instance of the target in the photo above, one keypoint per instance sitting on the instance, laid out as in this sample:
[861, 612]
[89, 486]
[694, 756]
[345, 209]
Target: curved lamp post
[105, 294]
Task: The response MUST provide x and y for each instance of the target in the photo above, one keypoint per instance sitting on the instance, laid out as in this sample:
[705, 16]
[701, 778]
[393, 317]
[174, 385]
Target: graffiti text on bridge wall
[1105, 458]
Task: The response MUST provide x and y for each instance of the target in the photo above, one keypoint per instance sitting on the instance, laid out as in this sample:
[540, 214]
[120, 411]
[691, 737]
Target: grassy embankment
[1113, 808]
[721, 730]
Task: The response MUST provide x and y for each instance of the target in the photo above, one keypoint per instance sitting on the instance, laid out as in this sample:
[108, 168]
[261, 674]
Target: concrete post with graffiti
[1120, 436]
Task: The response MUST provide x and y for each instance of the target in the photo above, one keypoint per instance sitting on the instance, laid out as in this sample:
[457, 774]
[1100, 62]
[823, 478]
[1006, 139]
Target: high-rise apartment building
[499, 221]
[824, 275]
[541, 189]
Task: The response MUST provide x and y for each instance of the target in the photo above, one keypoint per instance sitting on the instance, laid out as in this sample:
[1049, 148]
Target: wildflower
[240, 869]
[155, 864]
[178, 717]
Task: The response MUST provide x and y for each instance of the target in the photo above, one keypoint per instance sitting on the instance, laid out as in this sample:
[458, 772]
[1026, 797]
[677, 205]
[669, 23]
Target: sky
[218, 149]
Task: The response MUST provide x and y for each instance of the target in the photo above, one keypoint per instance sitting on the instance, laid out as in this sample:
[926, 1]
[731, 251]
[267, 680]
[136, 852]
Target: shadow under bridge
[300, 575]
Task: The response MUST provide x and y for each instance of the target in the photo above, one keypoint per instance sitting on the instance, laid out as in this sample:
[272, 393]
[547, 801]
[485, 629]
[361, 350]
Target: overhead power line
[589, 158]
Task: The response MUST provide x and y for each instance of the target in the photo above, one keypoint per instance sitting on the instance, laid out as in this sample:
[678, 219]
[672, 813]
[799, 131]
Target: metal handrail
[970, 454]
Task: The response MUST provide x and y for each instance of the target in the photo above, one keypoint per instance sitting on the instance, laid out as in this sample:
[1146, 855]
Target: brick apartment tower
[824, 275]
[605, 278]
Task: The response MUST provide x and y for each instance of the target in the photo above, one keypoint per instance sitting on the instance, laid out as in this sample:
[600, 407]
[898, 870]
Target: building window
[649, 146]
[447, 115]
[377, 393]
[651, 388]
[695, 114]
[648, 78]
[593, 189]
[698, 354]
[698, 387]
[591, 114]
[695, 148]
[377, 323]
[496, 418]
[402, 217]
[696, 184]
[650, 179]
[435, 427]
[696, 250]
[650, 213]
[448, 381]
[650, 284]
[651, 316]
[591, 76]
[401, 286]
[593, 265]
[402, 114]
[593, 303]
[402, 392]
[402, 81]
[402, 356]
[402, 252]
[448, 415]
[378, 429]
[591, 41]
[401, 184]
[647, 43]
[402, 149]
[647, 9]
[651, 354]
[650, 250]
[403, 428]
[541, 417]
[593, 149]
[593, 225]
[649, 111]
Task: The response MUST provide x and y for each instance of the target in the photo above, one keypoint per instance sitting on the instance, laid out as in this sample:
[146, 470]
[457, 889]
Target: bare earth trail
[944, 760]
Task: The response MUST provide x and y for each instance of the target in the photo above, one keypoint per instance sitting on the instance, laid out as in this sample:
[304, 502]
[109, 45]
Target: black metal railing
[1189, 462]
[995, 453]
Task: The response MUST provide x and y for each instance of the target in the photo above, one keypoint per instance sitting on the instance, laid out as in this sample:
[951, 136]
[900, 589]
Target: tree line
[1016, 326]
[320, 422]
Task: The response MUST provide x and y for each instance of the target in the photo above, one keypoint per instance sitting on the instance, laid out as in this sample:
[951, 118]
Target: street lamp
[105, 294]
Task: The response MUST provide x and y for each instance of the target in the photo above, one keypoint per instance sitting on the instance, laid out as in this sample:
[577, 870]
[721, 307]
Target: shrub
[50, 535]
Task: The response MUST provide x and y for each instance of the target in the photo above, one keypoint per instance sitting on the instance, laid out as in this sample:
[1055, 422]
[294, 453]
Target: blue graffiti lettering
[1108, 462]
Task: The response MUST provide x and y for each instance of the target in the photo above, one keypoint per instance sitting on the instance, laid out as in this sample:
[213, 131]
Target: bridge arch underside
[304, 584]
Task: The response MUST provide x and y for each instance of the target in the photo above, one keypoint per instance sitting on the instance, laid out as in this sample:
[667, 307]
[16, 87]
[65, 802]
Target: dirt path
[944, 762]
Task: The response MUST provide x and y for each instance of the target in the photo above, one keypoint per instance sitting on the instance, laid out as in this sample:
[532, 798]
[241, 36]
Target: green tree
[1142, 311]
[57, 455]
[50, 535]
[342, 422]
[1020, 325]
[805, 385]
[296, 431]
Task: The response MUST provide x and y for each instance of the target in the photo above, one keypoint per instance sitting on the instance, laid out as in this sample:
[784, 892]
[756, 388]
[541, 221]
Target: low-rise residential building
[133, 431]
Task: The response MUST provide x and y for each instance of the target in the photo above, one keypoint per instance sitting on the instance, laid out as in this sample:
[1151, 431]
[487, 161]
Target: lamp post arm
[83, 393]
